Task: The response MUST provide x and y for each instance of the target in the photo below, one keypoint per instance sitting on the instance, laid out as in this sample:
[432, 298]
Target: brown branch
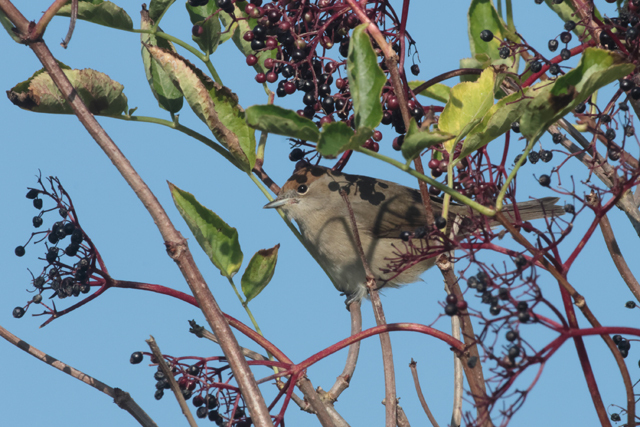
[177, 247]
[121, 398]
[343, 380]
[581, 303]
[618, 259]
[446, 76]
[46, 18]
[423, 402]
[318, 406]
[385, 340]
[166, 370]
[72, 23]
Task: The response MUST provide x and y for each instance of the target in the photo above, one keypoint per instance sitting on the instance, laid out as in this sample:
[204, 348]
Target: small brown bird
[383, 212]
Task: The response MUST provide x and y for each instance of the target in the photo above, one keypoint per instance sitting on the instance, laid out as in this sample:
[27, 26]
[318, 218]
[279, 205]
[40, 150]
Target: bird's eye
[302, 189]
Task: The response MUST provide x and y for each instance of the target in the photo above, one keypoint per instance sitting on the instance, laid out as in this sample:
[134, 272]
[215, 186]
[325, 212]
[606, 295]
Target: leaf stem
[188, 131]
[484, 210]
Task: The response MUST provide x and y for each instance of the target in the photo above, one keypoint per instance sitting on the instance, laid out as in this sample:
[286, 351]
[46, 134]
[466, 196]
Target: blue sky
[300, 310]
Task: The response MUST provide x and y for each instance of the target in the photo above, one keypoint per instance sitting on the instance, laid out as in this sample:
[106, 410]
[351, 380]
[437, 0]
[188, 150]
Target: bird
[385, 213]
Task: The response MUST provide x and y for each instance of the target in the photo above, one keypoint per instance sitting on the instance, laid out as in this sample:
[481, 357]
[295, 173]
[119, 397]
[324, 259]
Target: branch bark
[120, 398]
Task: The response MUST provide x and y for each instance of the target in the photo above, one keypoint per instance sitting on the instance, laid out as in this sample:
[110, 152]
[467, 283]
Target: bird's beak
[278, 203]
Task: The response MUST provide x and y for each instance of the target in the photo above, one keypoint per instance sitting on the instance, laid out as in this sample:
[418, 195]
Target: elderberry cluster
[203, 384]
[296, 39]
[483, 284]
[70, 260]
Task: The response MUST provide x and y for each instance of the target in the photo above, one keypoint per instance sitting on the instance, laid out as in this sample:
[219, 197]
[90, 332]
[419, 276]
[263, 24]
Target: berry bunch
[70, 262]
[303, 34]
[213, 397]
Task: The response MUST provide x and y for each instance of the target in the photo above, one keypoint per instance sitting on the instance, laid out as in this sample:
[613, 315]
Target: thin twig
[618, 259]
[72, 23]
[121, 398]
[343, 380]
[247, 353]
[385, 340]
[446, 76]
[423, 401]
[166, 370]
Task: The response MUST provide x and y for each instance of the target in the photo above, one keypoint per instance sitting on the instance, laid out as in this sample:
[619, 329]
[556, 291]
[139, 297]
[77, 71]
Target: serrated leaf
[101, 13]
[334, 137]
[218, 240]
[8, 25]
[438, 91]
[215, 105]
[278, 120]
[166, 93]
[417, 140]
[259, 272]
[157, 8]
[366, 79]
[101, 95]
[468, 102]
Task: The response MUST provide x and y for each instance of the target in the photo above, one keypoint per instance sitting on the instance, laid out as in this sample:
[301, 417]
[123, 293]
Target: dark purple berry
[19, 251]
[415, 69]
[544, 180]
[486, 35]
[553, 45]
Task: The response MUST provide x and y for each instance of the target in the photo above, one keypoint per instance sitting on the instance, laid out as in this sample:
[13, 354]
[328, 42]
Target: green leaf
[101, 95]
[274, 119]
[483, 16]
[366, 79]
[203, 16]
[543, 104]
[417, 140]
[157, 8]
[468, 102]
[259, 272]
[8, 25]
[495, 122]
[438, 91]
[233, 117]
[334, 138]
[215, 105]
[210, 37]
[166, 93]
[218, 240]
[101, 13]
[597, 68]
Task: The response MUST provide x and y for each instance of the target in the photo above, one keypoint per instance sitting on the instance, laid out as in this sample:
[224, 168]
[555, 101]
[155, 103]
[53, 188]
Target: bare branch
[121, 398]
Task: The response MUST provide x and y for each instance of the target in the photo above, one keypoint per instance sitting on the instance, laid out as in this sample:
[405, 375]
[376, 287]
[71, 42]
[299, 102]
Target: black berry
[18, 312]
[136, 358]
[544, 180]
[19, 251]
[486, 35]
[553, 45]
[546, 156]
